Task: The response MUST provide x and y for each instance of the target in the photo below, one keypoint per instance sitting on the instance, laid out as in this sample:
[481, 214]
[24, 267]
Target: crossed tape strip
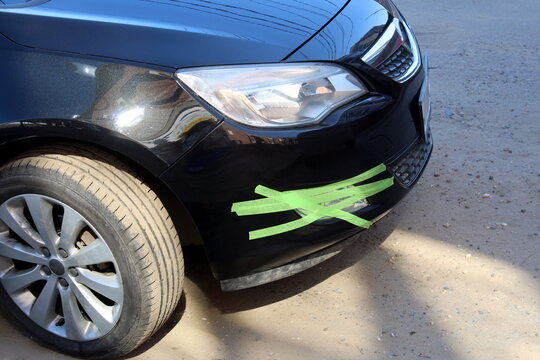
[309, 200]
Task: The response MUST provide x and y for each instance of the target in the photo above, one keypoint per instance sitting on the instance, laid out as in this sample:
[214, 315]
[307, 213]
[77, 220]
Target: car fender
[102, 101]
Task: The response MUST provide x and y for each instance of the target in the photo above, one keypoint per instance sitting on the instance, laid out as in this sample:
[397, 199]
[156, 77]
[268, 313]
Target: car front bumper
[383, 127]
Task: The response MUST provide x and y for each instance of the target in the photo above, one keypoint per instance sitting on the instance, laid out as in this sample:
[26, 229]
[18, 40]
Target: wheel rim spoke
[59, 271]
[72, 224]
[101, 315]
[76, 325]
[108, 286]
[14, 220]
[96, 252]
[17, 280]
[43, 310]
[41, 211]
[12, 249]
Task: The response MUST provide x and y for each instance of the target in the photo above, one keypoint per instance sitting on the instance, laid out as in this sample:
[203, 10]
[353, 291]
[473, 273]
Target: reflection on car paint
[143, 104]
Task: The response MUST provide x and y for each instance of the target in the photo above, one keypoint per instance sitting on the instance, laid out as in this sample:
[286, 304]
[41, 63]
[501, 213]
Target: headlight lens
[274, 95]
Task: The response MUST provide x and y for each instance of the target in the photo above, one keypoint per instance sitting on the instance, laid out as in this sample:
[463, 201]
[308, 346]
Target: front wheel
[90, 261]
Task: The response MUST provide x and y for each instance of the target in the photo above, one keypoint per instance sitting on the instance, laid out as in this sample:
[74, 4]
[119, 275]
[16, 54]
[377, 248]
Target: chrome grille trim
[396, 37]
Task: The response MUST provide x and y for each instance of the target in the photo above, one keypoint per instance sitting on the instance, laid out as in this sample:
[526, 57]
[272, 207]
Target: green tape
[311, 202]
[262, 206]
[271, 205]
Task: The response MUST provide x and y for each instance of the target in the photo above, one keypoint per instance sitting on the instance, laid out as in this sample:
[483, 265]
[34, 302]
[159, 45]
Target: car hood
[174, 33]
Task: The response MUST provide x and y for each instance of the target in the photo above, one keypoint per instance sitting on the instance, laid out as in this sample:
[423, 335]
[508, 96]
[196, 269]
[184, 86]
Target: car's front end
[353, 99]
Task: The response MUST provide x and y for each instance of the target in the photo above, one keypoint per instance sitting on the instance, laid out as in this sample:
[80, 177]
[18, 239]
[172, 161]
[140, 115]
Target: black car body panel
[61, 80]
[140, 109]
[170, 32]
[349, 34]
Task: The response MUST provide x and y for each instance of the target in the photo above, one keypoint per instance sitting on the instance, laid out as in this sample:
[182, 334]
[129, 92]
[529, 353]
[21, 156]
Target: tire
[87, 252]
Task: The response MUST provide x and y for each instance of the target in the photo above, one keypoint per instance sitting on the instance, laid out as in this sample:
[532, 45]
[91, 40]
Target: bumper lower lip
[283, 271]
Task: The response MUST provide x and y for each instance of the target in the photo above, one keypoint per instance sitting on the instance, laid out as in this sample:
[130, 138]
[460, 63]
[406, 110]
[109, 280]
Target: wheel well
[184, 223]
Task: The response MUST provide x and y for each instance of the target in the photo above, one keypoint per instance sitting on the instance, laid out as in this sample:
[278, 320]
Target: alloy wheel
[57, 269]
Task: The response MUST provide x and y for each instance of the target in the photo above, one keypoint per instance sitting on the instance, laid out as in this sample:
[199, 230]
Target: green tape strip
[271, 204]
[262, 206]
[309, 200]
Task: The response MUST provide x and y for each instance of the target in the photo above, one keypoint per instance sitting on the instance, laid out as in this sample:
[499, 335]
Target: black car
[271, 132]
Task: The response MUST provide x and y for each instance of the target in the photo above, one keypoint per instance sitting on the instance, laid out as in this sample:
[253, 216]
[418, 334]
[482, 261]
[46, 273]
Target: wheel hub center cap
[56, 267]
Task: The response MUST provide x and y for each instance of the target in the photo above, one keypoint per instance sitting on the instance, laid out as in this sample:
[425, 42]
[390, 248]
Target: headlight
[274, 95]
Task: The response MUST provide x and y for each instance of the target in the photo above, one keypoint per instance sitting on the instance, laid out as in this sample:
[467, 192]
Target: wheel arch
[147, 165]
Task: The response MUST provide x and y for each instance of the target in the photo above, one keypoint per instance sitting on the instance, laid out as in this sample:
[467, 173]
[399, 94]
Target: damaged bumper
[234, 164]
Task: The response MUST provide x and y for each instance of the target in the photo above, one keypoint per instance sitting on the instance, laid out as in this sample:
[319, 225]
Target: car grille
[407, 168]
[397, 64]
